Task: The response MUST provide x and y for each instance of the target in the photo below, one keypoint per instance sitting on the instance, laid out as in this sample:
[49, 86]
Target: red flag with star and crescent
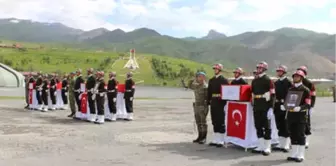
[84, 103]
[236, 120]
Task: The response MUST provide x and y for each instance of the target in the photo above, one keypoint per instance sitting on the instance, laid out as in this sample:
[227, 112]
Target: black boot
[198, 138]
[202, 139]
[71, 115]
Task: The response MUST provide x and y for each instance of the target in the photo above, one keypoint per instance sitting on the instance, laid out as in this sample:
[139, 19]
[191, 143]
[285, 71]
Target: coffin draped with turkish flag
[240, 129]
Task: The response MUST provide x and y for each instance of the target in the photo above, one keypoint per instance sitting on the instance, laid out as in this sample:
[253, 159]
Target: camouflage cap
[200, 73]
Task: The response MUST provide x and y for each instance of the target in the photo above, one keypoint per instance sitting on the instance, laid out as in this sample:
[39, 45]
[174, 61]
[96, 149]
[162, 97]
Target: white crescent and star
[240, 116]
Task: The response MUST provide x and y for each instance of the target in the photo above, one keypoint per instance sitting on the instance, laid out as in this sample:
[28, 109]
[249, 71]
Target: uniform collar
[112, 78]
[218, 75]
[261, 74]
[298, 84]
[282, 78]
[238, 78]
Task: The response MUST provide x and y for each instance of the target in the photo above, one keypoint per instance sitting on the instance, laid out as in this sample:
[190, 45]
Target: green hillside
[154, 69]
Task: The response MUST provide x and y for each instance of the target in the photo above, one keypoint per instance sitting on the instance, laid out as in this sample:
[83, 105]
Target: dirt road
[160, 136]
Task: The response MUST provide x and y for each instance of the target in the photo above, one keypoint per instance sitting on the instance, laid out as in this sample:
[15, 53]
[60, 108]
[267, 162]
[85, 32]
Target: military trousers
[64, 97]
[72, 102]
[39, 97]
[92, 103]
[53, 96]
[297, 132]
[112, 102]
[45, 97]
[218, 115]
[262, 123]
[100, 101]
[280, 120]
[201, 113]
[308, 125]
[78, 101]
[129, 105]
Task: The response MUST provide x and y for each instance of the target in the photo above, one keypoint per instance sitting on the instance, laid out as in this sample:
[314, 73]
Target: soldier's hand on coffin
[282, 107]
[131, 98]
[267, 96]
[297, 109]
[114, 99]
[269, 114]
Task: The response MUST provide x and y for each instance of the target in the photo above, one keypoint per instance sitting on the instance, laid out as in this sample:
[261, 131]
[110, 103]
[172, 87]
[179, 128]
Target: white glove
[282, 107]
[66, 93]
[269, 114]
[311, 111]
[297, 109]
[40, 93]
[114, 99]
[131, 98]
[95, 91]
[93, 97]
[101, 94]
[55, 93]
[267, 96]
[80, 97]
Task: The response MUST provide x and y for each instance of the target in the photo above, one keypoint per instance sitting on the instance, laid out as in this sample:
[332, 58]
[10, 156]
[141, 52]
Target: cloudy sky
[179, 18]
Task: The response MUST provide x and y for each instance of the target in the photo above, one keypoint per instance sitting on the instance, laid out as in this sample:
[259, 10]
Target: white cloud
[266, 10]
[90, 14]
[82, 14]
[333, 13]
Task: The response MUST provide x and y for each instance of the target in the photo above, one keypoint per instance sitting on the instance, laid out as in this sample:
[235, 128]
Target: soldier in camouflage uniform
[72, 100]
[201, 110]
[333, 93]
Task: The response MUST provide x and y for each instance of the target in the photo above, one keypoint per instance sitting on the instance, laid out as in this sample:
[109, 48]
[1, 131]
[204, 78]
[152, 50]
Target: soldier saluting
[238, 79]
[217, 105]
[307, 83]
[282, 86]
[100, 97]
[129, 95]
[77, 93]
[72, 99]
[297, 119]
[112, 96]
[263, 97]
[90, 84]
[200, 105]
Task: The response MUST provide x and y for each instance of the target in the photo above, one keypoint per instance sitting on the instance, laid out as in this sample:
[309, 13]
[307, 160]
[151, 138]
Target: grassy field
[64, 60]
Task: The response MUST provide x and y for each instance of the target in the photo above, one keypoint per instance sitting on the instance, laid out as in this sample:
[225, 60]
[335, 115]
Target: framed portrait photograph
[293, 99]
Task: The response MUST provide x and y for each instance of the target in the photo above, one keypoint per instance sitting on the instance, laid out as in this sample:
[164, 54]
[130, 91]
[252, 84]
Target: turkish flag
[30, 96]
[121, 88]
[84, 103]
[236, 120]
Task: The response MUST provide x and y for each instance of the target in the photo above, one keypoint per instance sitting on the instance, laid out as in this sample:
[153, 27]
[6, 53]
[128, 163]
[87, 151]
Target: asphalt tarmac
[160, 135]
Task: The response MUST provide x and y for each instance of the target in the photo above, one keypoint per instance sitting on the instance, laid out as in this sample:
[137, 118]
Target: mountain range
[288, 46]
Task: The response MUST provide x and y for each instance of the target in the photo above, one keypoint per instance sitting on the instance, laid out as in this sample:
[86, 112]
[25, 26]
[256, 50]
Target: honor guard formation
[90, 94]
[268, 99]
